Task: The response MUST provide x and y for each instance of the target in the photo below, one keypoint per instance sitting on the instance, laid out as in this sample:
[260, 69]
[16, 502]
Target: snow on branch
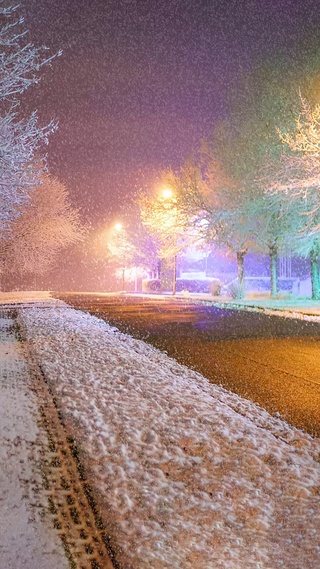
[46, 224]
[21, 139]
[297, 177]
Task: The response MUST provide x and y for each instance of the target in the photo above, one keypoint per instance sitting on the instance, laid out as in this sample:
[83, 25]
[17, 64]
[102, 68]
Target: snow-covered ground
[190, 476]
[27, 537]
[21, 296]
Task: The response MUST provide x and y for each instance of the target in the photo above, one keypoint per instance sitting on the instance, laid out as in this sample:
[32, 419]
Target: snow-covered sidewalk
[188, 475]
[27, 538]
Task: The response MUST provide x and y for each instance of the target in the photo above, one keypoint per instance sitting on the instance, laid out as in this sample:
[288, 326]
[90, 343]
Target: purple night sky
[141, 82]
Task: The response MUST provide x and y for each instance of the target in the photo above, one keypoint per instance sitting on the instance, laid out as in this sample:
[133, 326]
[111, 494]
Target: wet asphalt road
[267, 359]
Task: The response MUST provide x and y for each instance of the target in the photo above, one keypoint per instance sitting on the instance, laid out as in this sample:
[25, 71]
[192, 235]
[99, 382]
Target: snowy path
[27, 541]
[189, 476]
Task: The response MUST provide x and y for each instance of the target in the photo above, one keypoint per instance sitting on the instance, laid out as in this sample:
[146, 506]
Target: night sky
[140, 83]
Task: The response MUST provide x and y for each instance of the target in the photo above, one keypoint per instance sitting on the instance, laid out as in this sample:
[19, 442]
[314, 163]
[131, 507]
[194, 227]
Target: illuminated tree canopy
[297, 181]
[253, 186]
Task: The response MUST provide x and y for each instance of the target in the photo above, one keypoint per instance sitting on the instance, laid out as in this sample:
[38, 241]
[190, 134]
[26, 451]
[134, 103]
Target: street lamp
[118, 227]
[167, 194]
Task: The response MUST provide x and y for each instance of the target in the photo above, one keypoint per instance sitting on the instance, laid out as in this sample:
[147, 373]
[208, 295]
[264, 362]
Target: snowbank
[190, 475]
[21, 297]
[26, 538]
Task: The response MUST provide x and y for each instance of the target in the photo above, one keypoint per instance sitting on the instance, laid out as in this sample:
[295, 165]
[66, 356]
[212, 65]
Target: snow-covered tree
[21, 138]
[131, 250]
[273, 227]
[297, 180]
[167, 223]
[299, 177]
[122, 251]
[248, 146]
[212, 207]
[46, 224]
[160, 216]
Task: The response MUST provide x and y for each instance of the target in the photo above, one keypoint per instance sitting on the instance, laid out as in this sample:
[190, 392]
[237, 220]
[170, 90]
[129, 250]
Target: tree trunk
[315, 275]
[174, 281]
[273, 253]
[240, 263]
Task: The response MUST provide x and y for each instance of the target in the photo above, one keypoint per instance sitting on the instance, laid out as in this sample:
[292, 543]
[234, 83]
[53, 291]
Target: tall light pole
[168, 195]
[118, 227]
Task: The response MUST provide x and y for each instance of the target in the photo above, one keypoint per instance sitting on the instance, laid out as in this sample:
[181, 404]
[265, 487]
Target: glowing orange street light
[167, 193]
[118, 226]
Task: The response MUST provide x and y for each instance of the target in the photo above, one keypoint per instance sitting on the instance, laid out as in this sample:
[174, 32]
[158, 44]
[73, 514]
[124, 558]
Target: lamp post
[174, 279]
[168, 195]
[118, 227]
[123, 270]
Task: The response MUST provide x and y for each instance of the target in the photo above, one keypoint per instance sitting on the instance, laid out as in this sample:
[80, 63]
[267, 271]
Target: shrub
[151, 285]
[194, 285]
[237, 290]
[185, 286]
[215, 288]
[185, 293]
